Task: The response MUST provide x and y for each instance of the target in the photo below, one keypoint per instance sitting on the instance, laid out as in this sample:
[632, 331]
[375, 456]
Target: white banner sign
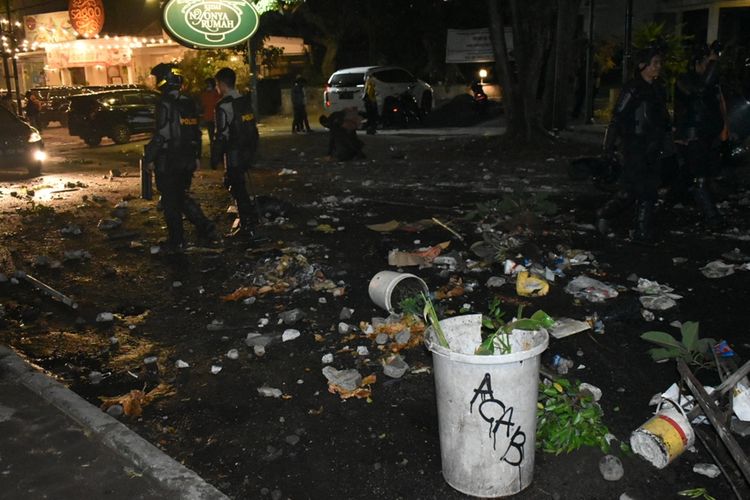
[467, 46]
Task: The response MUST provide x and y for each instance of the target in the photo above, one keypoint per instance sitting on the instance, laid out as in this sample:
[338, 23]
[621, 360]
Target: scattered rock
[292, 439]
[395, 366]
[363, 351]
[611, 468]
[327, 359]
[346, 379]
[115, 411]
[292, 316]
[403, 336]
[290, 334]
[710, 470]
[105, 317]
[269, 392]
[233, 354]
[346, 313]
[381, 338]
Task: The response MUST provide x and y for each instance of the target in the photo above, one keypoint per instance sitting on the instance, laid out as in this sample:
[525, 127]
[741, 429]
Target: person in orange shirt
[209, 97]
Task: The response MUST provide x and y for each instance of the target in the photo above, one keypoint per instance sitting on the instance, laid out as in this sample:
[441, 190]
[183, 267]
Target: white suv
[345, 86]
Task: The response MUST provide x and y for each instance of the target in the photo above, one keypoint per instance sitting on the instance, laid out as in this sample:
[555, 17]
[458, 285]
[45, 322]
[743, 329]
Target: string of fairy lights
[106, 41]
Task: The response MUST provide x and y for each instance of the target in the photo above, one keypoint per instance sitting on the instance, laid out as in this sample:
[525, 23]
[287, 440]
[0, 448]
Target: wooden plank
[724, 461]
[710, 410]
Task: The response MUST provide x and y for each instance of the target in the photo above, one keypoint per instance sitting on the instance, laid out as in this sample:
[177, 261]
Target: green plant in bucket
[430, 315]
[499, 331]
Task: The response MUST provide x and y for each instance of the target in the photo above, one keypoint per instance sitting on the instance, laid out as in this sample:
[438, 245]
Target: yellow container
[663, 437]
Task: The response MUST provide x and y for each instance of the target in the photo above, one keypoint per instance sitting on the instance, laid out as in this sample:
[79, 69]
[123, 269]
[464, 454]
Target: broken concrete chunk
[269, 392]
[403, 336]
[105, 317]
[611, 468]
[395, 366]
[710, 470]
[290, 334]
[346, 313]
[346, 379]
[292, 316]
[382, 338]
[109, 224]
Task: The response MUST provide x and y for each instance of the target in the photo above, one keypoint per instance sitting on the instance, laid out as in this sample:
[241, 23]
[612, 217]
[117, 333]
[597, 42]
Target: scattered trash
[423, 257]
[133, 402]
[710, 470]
[590, 289]
[215, 369]
[495, 282]
[562, 364]
[327, 359]
[531, 286]
[363, 351]
[647, 315]
[657, 302]
[564, 327]
[269, 392]
[663, 437]
[233, 354]
[348, 383]
[591, 389]
[388, 289]
[611, 468]
[717, 269]
[181, 364]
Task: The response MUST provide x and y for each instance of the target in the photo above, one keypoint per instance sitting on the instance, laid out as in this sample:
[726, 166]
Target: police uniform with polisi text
[236, 142]
[174, 150]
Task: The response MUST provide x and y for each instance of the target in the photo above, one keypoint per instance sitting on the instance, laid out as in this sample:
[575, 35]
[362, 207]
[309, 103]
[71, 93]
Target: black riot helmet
[644, 55]
[168, 77]
[699, 53]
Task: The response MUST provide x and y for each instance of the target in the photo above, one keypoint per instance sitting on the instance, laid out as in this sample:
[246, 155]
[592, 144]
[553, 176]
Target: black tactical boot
[611, 211]
[705, 203]
[644, 223]
[206, 229]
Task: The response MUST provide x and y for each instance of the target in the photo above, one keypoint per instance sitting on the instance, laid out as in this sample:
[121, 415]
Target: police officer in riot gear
[641, 123]
[700, 126]
[235, 144]
[174, 154]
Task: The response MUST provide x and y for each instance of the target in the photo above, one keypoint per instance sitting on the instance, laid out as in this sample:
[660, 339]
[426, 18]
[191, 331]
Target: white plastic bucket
[387, 284]
[486, 409]
[664, 436]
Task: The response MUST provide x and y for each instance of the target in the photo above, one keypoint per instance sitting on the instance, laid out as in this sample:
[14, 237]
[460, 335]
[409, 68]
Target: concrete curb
[118, 437]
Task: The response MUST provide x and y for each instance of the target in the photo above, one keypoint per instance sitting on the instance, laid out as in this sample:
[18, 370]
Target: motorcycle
[402, 110]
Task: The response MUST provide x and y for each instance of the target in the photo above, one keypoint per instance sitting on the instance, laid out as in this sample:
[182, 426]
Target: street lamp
[482, 75]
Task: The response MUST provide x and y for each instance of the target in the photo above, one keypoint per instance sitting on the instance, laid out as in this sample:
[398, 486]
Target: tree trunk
[328, 66]
[532, 26]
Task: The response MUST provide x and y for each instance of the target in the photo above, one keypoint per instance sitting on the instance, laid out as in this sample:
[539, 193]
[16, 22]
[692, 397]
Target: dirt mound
[460, 112]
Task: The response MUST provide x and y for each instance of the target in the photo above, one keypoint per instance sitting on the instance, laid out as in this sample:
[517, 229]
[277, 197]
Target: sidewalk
[54, 444]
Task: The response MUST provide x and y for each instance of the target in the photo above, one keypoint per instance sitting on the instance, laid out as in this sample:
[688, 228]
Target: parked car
[55, 103]
[21, 144]
[344, 88]
[116, 114]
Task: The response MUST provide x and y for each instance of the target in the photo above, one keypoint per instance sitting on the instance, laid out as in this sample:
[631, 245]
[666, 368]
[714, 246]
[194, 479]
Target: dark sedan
[21, 145]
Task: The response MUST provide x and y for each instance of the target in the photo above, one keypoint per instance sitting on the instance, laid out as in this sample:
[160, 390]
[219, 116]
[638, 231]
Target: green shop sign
[209, 24]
